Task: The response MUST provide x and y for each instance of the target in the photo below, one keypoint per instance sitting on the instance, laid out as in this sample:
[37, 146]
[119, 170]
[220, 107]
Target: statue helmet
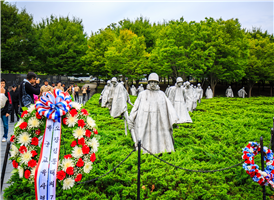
[153, 77]
[108, 82]
[141, 84]
[114, 79]
[179, 80]
[199, 84]
[187, 83]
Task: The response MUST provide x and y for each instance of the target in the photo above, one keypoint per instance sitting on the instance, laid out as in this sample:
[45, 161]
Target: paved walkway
[3, 149]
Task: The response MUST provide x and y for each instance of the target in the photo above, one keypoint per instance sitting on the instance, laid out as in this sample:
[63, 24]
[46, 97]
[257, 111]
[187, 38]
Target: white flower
[76, 105]
[77, 152]
[87, 167]
[26, 157]
[71, 121]
[21, 171]
[91, 122]
[94, 144]
[249, 167]
[67, 163]
[79, 133]
[31, 108]
[68, 183]
[264, 174]
[269, 162]
[19, 122]
[251, 150]
[24, 138]
[33, 122]
[14, 151]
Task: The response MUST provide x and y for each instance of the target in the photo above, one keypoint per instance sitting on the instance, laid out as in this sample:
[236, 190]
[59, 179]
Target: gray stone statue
[133, 90]
[177, 97]
[242, 93]
[229, 92]
[189, 96]
[167, 90]
[104, 95]
[209, 93]
[200, 92]
[195, 97]
[152, 117]
[117, 99]
[140, 89]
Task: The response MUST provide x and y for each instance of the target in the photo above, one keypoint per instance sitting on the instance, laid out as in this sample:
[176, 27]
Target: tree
[62, 44]
[230, 50]
[261, 60]
[127, 56]
[94, 60]
[17, 38]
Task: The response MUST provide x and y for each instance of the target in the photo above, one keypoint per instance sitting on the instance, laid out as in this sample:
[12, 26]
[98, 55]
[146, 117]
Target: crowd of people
[27, 93]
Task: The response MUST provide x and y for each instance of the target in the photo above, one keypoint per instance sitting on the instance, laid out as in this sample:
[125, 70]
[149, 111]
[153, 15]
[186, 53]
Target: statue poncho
[140, 89]
[229, 92]
[195, 97]
[209, 93]
[242, 93]
[200, 92]
[177, 97]
[118, 100]
[152, 117]
[133, 91]
[189, 98]
[104, 96]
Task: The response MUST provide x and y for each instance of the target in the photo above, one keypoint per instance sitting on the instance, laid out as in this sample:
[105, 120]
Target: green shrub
[221, 128]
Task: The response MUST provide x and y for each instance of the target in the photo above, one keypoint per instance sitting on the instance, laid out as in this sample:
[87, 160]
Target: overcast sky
[96, 15]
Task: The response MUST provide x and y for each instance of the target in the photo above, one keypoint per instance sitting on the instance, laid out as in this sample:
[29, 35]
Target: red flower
[95, 131]
[38, 116]
[23, 125]
[70, 170]
[65, 120]
[15, 164]
[37, 132]
[33, 153]
[88, 133]
[84, 112]
[23, 149]
[92, 157]
[34, 141]
[85, 149]
[27, 174]
[24, 113]
[81, 123]
[68, 156]
[32, 163]
[81, 141]
[80, 163]
[61, 175]
[78, 178]
[12, 138]
[73, 112]
[73, 144]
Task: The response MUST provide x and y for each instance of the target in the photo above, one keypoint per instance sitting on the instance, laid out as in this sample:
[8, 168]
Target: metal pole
[139, 166]
[262, 162]
[272, 137]
[5, 164]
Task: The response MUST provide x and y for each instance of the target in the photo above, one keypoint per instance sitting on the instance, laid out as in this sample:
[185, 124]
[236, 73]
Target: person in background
[15, 103]
[53, 85]
[64, 86]
[6, 111]
[59, 86]
[84, 91]
[76, 92]
[88, 93]
[45, 88]
[29, 88]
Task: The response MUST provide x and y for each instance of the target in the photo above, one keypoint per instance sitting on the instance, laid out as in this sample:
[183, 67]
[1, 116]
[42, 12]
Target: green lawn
[221, 128]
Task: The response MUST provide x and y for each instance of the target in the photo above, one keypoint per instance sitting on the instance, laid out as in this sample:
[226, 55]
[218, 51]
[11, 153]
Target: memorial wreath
[262, 177]
[36, 143]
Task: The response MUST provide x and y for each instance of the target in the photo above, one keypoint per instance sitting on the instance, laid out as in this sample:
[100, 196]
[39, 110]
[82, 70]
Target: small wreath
[262, 177]
[25, 148]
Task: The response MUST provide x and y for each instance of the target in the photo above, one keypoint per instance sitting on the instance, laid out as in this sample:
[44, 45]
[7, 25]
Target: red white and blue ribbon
[52, 106]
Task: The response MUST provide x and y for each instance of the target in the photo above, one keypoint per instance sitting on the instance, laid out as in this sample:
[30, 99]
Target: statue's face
[243, 87]
[153, 84]
[208, 87]
[114, 83]
[180, 84]
[108, 84]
